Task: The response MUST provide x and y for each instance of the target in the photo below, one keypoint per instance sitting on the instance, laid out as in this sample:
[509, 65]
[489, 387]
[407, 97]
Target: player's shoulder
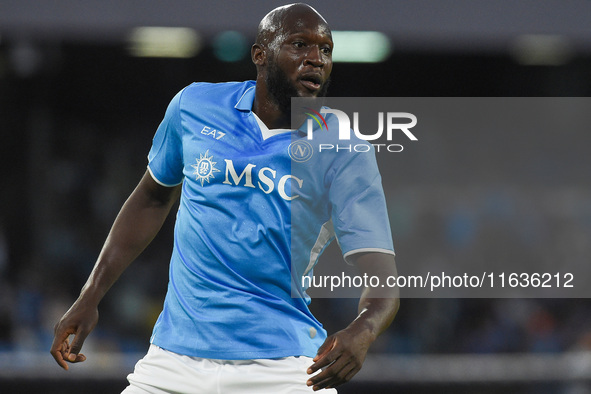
[213, 90]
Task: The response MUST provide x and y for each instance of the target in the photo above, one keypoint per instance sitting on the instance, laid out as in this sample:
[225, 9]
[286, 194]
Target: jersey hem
[245, 355]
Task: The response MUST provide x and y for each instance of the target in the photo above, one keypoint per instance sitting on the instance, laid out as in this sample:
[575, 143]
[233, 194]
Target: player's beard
[282, 90]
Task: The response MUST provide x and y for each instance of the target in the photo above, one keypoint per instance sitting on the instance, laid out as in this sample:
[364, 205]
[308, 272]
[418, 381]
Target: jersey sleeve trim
[159, 182]
[367, 250]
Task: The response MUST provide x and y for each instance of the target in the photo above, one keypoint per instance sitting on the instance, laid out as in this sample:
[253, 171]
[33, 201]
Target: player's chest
[232, 157]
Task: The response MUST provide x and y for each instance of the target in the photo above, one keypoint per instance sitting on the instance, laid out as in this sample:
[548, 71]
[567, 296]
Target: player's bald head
[285, 19]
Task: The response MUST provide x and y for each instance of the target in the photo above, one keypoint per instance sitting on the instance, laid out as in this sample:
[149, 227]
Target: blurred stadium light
[231, 46]
[360, 46]
[542, 50]
[25, 58]
[179, 42]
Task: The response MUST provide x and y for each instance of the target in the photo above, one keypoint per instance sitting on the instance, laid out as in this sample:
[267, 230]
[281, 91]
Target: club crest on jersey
[300, 151]
[204, 168]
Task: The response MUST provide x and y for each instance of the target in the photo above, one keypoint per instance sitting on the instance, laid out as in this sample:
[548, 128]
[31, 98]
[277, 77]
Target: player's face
[302, 60]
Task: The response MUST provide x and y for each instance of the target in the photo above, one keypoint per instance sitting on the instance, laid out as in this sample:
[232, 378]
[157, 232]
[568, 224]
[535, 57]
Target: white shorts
[162, 371]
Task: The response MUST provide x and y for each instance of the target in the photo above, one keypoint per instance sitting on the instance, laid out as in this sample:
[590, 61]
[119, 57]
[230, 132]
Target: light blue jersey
[248, 212]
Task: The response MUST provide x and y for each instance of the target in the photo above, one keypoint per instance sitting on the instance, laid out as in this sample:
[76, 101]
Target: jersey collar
[245, 101]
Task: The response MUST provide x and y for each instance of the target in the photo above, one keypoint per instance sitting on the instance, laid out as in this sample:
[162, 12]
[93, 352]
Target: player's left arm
[342, 354]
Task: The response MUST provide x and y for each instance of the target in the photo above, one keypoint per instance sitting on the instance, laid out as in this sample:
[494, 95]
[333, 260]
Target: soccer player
[250, 224]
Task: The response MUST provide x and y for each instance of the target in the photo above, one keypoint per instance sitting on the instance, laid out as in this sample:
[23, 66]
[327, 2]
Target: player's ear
[258, 54]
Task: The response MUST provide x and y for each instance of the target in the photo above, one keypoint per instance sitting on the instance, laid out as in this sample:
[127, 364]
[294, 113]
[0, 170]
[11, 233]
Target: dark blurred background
[82, 90]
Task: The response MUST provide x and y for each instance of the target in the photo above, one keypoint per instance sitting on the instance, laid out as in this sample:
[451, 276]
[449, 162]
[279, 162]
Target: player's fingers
[328, 372]
[59, 358]
[79, 358]
[59, 347]
[76, 346]
[327, 358]
[330, 381]
[352, 373]
[324, 348]
[322, 362]
[335, 375]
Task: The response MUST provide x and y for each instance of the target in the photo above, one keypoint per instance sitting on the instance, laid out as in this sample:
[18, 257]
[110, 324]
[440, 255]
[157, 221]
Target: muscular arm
[138, 222]
[342, 354]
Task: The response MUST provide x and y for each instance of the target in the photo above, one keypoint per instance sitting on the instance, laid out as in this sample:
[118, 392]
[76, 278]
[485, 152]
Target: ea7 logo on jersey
[212, 132]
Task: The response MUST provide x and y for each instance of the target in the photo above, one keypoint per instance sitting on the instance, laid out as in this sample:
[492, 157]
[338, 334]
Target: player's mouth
[311, 81]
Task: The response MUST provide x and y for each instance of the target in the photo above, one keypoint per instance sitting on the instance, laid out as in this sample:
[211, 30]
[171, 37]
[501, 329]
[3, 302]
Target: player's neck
[268, 110]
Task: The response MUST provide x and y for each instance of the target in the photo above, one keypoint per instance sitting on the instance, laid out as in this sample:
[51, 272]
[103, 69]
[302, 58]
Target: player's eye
[299, 44]
[326, 50]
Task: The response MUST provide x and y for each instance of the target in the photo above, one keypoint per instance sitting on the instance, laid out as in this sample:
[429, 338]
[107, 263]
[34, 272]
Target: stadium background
[78, 110]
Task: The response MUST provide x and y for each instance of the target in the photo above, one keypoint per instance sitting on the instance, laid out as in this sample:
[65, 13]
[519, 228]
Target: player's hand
[79, 321]
[340, 357]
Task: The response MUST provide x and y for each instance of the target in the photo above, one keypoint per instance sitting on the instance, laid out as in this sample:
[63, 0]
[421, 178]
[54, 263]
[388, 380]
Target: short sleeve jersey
[255, 214]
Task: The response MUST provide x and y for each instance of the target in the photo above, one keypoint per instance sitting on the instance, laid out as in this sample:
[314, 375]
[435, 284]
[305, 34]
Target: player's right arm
[138, 222]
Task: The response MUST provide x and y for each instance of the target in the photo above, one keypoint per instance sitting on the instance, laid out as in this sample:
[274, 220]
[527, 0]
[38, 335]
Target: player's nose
[314, 56]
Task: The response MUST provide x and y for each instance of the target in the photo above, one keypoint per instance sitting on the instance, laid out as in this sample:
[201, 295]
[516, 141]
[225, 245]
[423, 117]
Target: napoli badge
[300, 151]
